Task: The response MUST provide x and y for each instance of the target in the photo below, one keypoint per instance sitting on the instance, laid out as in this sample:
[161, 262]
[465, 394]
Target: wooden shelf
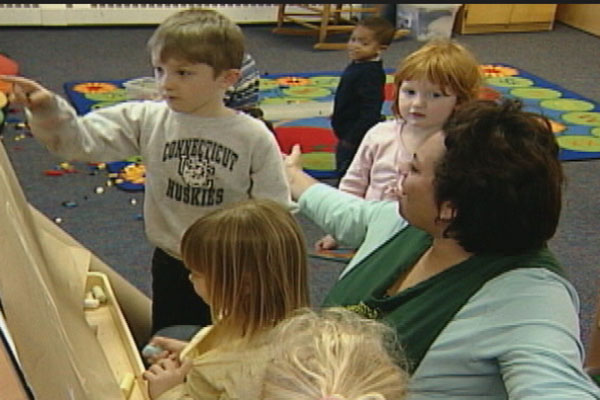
[488, 18]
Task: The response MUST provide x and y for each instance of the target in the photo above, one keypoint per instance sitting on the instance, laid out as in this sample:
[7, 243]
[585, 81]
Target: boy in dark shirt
[360, 93]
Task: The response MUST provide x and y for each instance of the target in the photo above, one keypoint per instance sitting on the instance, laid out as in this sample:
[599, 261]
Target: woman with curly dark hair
[459, 264]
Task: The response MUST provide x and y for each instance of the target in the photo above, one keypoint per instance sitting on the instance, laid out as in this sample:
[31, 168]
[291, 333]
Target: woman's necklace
[408, 149]
[405, 152]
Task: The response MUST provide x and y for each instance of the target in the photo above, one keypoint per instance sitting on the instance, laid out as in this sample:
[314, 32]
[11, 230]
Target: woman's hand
[298, 180]
[327, 242]
[293, 161]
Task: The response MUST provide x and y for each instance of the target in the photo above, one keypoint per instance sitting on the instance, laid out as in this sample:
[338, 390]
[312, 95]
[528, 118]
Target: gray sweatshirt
[193, 164]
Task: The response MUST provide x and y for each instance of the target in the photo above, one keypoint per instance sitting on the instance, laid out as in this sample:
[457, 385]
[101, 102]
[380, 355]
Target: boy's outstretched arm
[28, 93]
[99, 135]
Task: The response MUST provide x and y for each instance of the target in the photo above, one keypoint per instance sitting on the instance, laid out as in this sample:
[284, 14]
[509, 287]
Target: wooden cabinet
[582, 16]
[487, 18]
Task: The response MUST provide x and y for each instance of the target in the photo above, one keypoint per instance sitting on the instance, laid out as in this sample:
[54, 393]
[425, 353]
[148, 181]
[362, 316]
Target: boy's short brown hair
[199, 36]
[382, 28]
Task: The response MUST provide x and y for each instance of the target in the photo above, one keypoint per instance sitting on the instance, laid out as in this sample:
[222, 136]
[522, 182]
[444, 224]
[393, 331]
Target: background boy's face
[362, 44]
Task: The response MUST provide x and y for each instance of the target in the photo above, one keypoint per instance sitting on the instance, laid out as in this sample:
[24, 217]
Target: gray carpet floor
[107, 223]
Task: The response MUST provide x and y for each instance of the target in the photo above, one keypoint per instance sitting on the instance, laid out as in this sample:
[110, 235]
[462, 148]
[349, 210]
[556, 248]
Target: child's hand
[170, 347]
[166, 374]
[28, 92]
[326, 243]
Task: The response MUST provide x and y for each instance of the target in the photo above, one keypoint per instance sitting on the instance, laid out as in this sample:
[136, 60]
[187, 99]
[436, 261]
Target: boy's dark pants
[344, 153]
[174, 301]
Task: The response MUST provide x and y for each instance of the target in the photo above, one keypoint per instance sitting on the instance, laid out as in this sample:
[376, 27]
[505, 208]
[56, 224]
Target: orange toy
[7, 67]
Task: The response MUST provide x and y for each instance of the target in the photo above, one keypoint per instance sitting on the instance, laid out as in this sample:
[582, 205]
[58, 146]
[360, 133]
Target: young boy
[199, 154]
[359, 95]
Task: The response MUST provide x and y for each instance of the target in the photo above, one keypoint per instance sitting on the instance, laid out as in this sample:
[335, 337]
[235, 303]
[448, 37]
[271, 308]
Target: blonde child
[199, 154]
[429, 84]
[248, 261]
[335, 354]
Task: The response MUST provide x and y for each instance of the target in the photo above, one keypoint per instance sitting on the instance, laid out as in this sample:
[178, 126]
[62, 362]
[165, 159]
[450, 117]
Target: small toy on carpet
[341, 254]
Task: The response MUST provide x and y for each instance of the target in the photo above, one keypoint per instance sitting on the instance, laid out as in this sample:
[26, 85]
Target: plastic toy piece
[127, 384]
[53, 172]
[69, 204]
[151, 350]
[90, 302]
[65, 166]
[8, 66]
[99, 294]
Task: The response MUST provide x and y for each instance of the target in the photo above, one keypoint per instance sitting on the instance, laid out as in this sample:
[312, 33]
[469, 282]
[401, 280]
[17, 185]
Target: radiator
[124, 14]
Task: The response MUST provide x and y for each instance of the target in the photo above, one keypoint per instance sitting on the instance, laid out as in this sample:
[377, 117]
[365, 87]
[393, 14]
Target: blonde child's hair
[199, 36]
[335, 354]
[252, 254]
[444, 62]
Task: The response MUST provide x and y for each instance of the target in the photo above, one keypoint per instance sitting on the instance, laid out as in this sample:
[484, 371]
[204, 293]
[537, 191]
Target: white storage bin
[426, 21]
[144, 88]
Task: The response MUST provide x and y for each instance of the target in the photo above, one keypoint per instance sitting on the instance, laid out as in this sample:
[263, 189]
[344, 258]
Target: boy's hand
[166, 374]
[27, 92]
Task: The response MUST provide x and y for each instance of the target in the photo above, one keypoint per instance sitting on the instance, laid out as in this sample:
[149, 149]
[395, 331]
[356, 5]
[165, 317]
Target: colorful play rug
[299, 105]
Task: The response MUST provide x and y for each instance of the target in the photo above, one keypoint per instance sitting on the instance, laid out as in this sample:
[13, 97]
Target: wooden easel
[321, 20]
